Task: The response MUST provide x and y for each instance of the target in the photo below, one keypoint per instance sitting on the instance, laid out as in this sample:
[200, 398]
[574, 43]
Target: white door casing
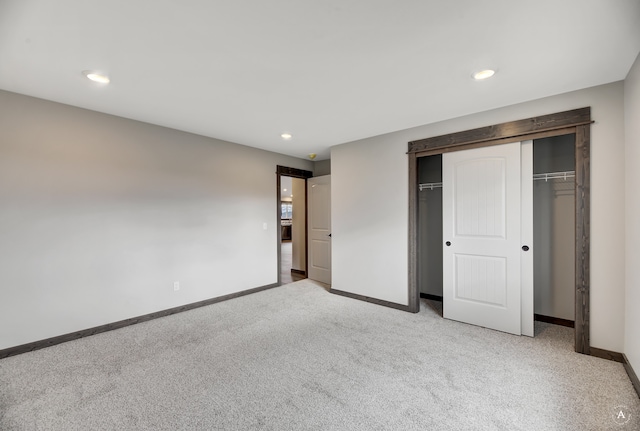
[482, 219]
[319, 228]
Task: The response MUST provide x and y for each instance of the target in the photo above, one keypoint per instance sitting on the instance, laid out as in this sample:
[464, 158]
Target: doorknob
[525, 248]
[329, 235]
[448, 243]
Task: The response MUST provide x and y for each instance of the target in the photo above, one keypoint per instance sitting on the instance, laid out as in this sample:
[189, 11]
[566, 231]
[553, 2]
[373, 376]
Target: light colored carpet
[298, 358]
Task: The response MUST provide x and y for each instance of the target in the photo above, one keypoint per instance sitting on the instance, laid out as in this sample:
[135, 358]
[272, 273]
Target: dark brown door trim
[295, 173]
[512, 131]
[576, 122]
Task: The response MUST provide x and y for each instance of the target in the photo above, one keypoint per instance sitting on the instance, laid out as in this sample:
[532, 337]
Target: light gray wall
[632, 185]
[554, 229]
[99, 215]
[369, 218]
[322, 167]
[370, 212]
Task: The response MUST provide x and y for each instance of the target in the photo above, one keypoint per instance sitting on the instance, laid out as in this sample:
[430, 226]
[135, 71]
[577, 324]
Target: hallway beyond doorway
[286, 275]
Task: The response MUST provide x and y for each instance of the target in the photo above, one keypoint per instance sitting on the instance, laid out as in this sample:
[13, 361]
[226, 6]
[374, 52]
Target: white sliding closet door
[483, 234]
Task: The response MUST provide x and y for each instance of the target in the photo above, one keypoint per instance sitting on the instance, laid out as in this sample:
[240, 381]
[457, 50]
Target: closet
[553, 225]
[575, 125]
[554, 229]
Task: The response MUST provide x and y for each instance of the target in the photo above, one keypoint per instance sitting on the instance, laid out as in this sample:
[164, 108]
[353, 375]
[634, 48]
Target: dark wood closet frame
[295, 173]
[575, 122]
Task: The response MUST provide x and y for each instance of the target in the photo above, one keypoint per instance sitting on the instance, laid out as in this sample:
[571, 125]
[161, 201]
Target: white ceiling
[328, 71]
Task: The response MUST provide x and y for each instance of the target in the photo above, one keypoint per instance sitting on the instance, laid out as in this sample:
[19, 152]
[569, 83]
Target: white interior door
[319, 228]
[482, 231]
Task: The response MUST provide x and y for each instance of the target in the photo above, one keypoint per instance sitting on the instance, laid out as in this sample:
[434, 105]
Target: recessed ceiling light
[483, 74]
[96, 76]
[286, 136]
[284, 190]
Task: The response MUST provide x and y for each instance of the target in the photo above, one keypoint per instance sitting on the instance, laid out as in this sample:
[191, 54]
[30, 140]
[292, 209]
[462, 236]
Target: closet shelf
[564, 175]
[429, 186]
[554, 175]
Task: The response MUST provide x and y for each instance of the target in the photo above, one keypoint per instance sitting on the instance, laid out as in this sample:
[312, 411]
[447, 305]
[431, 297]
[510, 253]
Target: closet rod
[429, 186]
[554, 175]
[564, 175]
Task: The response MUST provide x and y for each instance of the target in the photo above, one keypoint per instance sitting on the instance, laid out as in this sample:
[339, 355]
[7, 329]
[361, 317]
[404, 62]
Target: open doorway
[292, 222]
[293, 241]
